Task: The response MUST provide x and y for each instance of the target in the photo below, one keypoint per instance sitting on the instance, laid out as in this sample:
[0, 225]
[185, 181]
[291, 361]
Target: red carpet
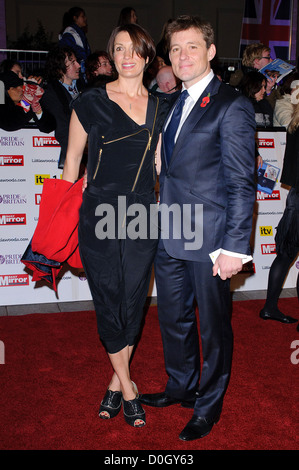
[56, 372]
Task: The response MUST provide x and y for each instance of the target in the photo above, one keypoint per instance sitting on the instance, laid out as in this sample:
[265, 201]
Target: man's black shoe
[197, 428]
[161, 400]
[276, 315]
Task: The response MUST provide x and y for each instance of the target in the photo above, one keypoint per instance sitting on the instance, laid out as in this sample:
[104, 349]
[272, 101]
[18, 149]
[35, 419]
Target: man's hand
[228, 265]
[32, 94]
[35, 78]
[259, 161]
[270, 84]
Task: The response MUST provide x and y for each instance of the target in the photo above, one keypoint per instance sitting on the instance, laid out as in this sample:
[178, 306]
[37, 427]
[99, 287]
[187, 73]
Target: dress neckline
[119, 107]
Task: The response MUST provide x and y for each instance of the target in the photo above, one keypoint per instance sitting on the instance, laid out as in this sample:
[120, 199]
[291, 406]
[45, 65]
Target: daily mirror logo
[14, 280]
[37, 199]
[261, 196]
[11, 160]
[266, 143]
[268, 249]
[48, 141]
[12, 219]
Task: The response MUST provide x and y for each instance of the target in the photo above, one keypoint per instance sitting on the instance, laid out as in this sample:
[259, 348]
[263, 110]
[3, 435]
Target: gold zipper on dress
[125, 136]
[147, 147]
[131, 135]
[98, 164]
[110, 142]
[141, 163]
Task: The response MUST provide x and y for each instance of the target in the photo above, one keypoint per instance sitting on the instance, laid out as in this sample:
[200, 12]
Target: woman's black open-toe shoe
[134, 413]
[110, 405]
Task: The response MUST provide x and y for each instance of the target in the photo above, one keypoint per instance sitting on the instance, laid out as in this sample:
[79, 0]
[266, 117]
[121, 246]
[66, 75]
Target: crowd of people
[121, 112]
[94, 68]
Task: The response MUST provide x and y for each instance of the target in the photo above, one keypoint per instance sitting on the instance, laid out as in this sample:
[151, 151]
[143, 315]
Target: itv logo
[39, 179]
[266, 231]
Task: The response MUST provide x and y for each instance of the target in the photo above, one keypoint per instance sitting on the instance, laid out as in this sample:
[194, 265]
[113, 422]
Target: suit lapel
[195, 115]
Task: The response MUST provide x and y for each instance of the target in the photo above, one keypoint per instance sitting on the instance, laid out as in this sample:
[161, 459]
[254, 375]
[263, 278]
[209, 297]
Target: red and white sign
[261, 196]
[268, 248]
[11, 160]
[9, 280]
[12, 219]
[42, 141]
[266, 143]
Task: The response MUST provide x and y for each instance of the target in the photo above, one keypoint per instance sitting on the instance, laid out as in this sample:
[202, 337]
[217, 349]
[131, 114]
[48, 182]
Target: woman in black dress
[122, 122]
[287, 234]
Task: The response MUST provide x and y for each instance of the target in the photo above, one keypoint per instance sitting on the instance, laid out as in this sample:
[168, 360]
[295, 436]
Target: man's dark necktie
[173, 125]
[73, 91]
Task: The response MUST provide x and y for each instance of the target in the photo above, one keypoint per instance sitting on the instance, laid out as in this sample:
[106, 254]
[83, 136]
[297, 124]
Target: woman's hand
[84, 185]
[158, 155]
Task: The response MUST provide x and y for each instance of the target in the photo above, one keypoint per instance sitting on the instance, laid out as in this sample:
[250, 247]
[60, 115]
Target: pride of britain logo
[13, 199]
[10, 259]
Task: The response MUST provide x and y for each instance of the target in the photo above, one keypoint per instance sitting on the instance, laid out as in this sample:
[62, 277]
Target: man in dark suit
[209, 176]
[63, 85]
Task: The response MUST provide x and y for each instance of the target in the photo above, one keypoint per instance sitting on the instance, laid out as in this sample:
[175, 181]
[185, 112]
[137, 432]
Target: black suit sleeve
[13, 118]
[46, 123]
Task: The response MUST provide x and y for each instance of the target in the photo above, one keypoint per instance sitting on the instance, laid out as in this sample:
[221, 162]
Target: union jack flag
[268, 22]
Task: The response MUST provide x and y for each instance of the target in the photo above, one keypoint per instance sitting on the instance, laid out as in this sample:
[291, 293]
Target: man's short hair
[253, 51]
[184, 22]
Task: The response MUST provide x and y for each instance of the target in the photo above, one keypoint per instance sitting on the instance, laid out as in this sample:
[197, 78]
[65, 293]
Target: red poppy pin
[205, 101]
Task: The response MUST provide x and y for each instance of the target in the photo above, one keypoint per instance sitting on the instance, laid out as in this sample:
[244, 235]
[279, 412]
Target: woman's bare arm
[76, 145]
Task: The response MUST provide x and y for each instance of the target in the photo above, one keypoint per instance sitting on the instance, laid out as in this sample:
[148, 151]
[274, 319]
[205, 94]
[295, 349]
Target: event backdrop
[27, 157]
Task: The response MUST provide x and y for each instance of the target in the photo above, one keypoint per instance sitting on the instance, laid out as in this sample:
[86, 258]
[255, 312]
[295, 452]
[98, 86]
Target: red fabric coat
[55, 240]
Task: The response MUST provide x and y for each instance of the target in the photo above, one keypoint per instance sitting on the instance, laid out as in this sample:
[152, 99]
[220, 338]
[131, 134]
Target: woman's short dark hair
[143, 43]
[7, 64]
[68, 17]
[184, 22]
[252, 83]
[92, 62]
[125, 16]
